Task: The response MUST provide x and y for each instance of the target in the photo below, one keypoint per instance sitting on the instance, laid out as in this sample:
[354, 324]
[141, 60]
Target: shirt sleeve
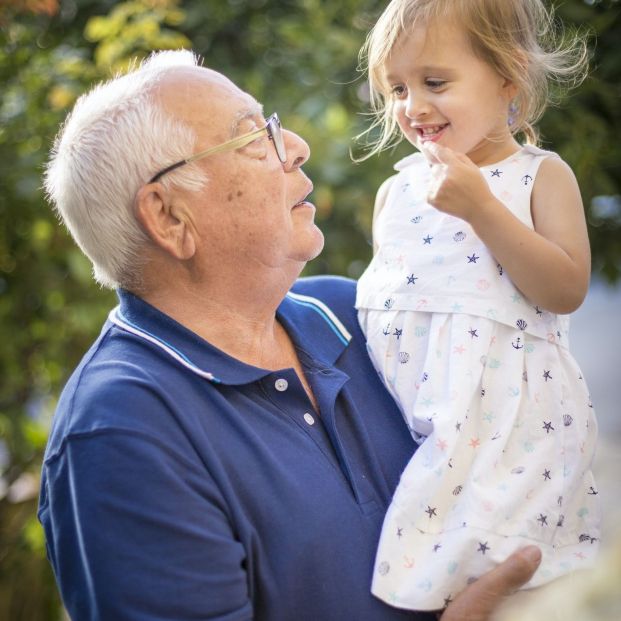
[137, 531]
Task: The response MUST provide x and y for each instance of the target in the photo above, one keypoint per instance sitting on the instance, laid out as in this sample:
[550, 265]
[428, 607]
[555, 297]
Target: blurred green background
[299, 57]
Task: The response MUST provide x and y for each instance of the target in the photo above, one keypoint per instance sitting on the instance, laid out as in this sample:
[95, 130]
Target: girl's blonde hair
[520, 39]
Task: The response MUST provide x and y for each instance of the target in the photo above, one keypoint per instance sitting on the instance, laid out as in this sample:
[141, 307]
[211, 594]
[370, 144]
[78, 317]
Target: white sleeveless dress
[487, 386]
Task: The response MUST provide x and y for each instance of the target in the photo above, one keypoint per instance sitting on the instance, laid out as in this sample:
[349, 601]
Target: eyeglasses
[272, 128]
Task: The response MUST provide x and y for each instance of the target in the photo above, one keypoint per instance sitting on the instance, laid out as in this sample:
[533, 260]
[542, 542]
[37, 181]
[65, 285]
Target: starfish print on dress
[427, 240]
[538, 310]
[546, 475]
[473, 333]
[546, 375]
[543, 519]
[474, 442]
[547, 425]
[496, 173]
[431, 511]
[399, 532]
[483, 548]
[473, 258]
[398, 332]
[412, 279]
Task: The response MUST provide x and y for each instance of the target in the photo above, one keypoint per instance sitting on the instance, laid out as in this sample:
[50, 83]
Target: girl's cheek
[404, 126]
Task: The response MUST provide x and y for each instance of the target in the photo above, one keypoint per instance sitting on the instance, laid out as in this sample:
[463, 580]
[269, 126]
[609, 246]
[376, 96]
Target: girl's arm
[550, 265]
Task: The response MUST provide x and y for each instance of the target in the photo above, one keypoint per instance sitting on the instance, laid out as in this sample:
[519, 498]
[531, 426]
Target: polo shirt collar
[315, 330]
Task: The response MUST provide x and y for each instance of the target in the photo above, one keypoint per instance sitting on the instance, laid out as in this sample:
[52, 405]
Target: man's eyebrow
[243, 114]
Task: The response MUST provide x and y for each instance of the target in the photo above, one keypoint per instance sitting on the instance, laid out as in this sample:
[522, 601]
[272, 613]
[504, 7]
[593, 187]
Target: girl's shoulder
[529, 149]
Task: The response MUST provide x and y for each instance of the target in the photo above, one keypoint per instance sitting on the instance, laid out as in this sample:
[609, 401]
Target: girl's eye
[435, 85]
[399, 91]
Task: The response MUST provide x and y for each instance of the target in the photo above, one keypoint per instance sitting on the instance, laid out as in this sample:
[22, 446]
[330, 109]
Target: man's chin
[320, 242]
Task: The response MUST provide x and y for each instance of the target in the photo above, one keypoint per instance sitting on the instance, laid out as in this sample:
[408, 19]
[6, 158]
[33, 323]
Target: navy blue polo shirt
[180, 483]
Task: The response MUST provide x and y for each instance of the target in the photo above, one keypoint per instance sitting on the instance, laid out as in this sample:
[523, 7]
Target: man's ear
[168, 226]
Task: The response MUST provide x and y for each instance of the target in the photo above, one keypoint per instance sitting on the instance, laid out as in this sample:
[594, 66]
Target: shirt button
[281, 384]
[309, 418]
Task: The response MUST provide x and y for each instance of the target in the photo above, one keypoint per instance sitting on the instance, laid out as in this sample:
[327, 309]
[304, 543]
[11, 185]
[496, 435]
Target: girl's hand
[457, 186]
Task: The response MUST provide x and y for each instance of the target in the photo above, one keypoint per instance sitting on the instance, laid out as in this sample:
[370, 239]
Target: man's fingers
[480, 599]
[510, 575]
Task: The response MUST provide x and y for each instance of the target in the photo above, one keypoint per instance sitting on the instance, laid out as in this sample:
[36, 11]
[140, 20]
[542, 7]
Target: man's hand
[479, 600]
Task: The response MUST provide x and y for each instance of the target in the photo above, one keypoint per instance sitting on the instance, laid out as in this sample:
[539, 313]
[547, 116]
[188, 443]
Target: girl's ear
[509, 85]
[511, 90]
[168, 225]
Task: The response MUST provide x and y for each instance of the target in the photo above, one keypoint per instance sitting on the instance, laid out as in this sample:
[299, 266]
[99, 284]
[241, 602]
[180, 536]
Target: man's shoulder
[111, 380]
[337, 292]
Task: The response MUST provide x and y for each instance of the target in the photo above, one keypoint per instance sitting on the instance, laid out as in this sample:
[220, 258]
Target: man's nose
[297, 149]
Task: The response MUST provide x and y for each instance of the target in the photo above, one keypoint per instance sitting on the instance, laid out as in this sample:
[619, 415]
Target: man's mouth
[303, 200]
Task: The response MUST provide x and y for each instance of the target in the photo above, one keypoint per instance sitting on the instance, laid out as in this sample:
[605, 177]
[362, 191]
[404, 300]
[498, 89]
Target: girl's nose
[416, 105]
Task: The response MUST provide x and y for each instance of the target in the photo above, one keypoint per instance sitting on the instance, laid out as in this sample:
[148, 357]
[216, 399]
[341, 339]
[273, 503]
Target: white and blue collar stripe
[118, 320]
[325, 312]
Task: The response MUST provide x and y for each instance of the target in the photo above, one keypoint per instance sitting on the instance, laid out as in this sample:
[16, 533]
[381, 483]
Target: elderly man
[225, 449]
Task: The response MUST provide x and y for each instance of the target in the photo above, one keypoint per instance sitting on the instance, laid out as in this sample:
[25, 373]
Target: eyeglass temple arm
[167, 170]
[231, 144]
[227, 146]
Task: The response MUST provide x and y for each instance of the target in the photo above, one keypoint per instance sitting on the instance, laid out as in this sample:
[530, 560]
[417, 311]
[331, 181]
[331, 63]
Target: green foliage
[133, 29]
[299, 58]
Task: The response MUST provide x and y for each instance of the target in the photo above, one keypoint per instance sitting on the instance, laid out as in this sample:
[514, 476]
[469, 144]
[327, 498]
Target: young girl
[481, 250]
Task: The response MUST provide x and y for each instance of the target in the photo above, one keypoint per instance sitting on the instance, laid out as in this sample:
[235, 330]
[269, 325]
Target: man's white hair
[115, 139]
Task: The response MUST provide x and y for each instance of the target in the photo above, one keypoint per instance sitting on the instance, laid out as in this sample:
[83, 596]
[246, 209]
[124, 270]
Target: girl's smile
[429, 132]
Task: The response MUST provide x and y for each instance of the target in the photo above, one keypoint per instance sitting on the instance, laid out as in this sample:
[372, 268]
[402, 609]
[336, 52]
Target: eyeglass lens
[275, 131]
